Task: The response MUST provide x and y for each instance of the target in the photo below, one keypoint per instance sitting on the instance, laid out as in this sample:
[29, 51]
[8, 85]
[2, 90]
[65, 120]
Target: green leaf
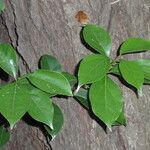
[2, 5]
[4, 136]
[41, 108]
[49, 62]
[51, 82]
[8, 59]
[58, 121]
[121, 120]
[133, 45]
[71, 78]
[92, 68]
[14, 102]
[82, 97]
[132, 73]
[106, 100]
[145, 65]
[97, 38]
[115, 70]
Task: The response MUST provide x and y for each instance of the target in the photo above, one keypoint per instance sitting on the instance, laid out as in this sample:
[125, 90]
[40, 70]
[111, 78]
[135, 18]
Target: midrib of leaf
[115, 102]
[106, 64]
[105, 91]
[103, 61]
[56, 84]
[111, 95]
[54, 90]
[95, 66]
[126, 68]
[98, 42]
[14, 96]
[109, 126]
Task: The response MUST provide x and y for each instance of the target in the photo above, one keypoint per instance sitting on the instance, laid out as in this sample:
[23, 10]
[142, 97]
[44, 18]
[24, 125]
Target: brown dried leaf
[82, 17]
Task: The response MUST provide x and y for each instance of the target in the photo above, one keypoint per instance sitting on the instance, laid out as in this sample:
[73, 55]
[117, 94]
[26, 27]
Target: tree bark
[37, 27]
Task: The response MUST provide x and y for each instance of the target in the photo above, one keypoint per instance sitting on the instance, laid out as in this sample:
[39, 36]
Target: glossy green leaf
[14, 102]
[145, 65]
[51, 82]
[115, 70]
[82, 97]
[2, 5]
[92, 68]
[121, 120]
[133, 45]
[41, 108]
[49, 62]
[97, 38]
[58, 121]
[132, 73]
[8, 59]
[106, 100]
[4, 136]
[71, 78]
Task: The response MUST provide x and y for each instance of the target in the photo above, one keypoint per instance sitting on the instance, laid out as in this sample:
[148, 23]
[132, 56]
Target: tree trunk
[37, 27]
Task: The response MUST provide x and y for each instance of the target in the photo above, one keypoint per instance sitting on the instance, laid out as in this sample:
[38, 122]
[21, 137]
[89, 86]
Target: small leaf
[51, 82]
[97, 38]
[82, 97]
[92, 68]
[133, 45]
[41, 108]
[49, 62]
[14, 102]
[57, 122]
[8, 59]
[2, 5]
[4, 136]
[71, 78]
[132, 73]
[121, 120]
[106, 100]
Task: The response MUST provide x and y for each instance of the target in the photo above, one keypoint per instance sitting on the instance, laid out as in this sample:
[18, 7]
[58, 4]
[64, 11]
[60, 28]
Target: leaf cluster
[95, 70]
[32, 93]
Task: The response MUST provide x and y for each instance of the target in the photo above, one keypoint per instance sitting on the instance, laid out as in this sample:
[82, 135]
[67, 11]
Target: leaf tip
[109, 127]
[51, 126]
[70, 93]
[11, 126]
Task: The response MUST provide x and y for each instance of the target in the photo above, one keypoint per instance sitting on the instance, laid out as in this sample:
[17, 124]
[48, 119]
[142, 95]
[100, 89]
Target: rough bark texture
[36, 27]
